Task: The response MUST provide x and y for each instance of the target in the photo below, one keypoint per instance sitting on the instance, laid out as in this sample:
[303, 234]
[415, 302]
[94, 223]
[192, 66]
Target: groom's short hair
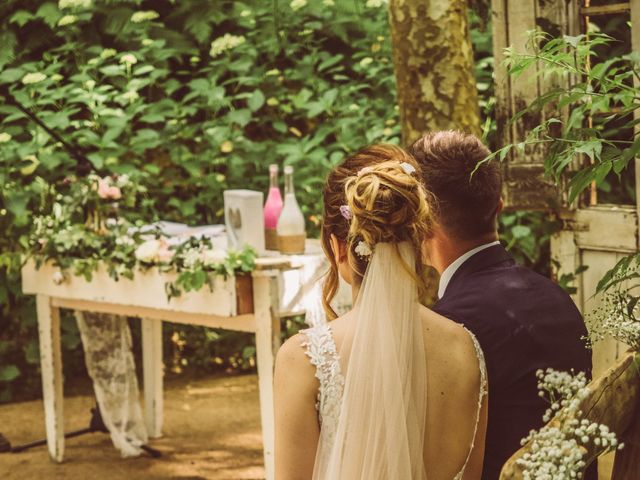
[467, 205]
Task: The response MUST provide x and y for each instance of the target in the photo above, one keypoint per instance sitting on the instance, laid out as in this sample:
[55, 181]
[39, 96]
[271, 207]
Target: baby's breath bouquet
[559, 450]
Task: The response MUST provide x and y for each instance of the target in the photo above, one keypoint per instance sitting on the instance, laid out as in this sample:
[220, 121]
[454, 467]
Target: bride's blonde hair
[387, 204]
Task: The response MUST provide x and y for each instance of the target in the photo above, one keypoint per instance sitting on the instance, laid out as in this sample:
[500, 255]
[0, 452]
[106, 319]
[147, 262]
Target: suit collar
[489, 257]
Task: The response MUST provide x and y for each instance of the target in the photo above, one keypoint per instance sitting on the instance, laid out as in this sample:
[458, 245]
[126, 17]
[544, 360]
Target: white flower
[297, 4]
[213, 257]
[5, 137]
[129, 59]
[144, 16]
[408, 168]
[366, 61]
[58, 277]
[147, 42]
[62, 4]
[108, 52]
[374, 3]
[362, 249]
[67, 20]
[245, 13]
[130, 96]
[90, 84]
[224, 43]
[31, 78]
[148, 251]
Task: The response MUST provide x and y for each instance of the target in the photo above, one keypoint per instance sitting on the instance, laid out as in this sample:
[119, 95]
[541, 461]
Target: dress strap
[481, 395]
[321, 349]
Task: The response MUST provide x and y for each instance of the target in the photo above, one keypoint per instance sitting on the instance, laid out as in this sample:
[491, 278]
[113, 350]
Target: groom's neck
[446, 249]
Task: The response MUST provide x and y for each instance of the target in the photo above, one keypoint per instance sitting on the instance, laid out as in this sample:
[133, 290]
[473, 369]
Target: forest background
[193, 98]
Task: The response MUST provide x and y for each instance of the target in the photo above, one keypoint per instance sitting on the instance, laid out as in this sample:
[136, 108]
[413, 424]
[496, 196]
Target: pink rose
[103, 188]
[114, 193]
[164, 253]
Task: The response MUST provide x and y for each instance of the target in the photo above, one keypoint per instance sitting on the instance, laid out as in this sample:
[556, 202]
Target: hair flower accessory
[408, 168]
[364, 170]
[362, 249]
[345, 211]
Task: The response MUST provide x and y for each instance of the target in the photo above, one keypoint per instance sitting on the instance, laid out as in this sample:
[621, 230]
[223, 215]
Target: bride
[390, 390]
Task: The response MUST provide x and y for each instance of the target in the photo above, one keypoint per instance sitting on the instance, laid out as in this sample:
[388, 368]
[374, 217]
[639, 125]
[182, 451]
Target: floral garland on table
[84, 226]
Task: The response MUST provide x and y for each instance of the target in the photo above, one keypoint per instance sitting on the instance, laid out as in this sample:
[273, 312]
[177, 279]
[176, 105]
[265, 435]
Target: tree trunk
[433, 61]
[434, 75]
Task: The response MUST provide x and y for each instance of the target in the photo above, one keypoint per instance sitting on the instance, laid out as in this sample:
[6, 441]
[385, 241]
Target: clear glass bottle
[291, 227]
[272, 210]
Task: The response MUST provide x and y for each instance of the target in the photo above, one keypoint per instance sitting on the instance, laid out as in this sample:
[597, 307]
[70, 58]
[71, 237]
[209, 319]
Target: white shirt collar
[446, 276]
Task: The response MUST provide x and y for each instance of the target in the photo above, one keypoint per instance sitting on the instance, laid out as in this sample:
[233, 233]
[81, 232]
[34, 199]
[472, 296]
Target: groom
[523, 321]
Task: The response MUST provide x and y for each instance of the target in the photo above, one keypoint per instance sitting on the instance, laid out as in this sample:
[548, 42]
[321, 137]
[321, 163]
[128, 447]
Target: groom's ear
[500, 206]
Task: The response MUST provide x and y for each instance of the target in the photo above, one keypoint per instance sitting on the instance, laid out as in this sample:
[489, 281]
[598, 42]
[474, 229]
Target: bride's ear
[338, 249]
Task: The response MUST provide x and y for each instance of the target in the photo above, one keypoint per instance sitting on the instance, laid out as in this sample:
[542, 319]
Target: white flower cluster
[557, 450]
[67, 20]
[64, 4]
[31, 78]
[619, 317]
[224, 43]
[208, 257]
[297, 4]
[144, 16]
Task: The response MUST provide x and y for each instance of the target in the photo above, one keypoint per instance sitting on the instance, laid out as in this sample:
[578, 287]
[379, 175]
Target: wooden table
[145, 297]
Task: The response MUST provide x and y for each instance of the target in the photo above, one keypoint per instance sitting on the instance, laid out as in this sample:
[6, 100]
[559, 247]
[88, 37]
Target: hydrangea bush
[186, 99]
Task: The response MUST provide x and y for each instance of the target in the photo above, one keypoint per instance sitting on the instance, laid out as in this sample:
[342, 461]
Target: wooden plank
[267, 343]
[147, 290]
[611, 228]
[240, 323]
[153, 370]
[595, 10]
[525, 184]
[51, 367]
[565, 257]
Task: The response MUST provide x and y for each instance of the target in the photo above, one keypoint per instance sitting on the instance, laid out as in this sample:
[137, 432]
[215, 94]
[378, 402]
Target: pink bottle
[272, 209]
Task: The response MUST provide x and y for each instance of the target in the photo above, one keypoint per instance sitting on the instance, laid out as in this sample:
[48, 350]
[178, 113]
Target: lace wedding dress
[322, 352]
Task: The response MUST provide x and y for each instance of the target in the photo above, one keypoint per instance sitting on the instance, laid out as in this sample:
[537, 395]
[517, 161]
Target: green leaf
[9, 373]
[521, 231]
[256, 100]
[21, 17]
[11, 75]
[49, 14]
[241, 116]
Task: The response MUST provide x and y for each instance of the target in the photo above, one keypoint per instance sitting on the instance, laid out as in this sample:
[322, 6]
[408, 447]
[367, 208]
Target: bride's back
[454, 383]
[389, 391]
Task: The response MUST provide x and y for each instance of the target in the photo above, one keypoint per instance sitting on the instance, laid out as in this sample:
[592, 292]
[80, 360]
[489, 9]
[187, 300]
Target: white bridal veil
[380, 434]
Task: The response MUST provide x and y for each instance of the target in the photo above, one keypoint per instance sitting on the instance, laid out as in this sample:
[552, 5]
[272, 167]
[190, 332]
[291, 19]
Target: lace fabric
[106, 340]
[322, 352]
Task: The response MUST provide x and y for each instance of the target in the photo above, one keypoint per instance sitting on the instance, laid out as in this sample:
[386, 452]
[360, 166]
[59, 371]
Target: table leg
[152, 372]
[51, 366]
[267, 343]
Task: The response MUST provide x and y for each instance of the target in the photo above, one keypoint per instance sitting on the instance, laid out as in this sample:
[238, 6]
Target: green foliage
[191, 100]
[186, 103]
[604, 92]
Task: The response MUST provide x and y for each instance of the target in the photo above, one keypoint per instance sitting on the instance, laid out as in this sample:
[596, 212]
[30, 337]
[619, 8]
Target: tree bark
[433, 61]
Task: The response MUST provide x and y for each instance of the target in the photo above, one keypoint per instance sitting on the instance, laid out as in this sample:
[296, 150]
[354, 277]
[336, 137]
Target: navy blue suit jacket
[524, 322]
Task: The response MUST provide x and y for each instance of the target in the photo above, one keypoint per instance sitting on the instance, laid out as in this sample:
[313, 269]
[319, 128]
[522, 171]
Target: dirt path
[211, 431]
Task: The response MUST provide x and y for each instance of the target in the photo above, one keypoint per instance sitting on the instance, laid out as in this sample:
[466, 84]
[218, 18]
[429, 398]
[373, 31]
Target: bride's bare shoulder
[450, 345]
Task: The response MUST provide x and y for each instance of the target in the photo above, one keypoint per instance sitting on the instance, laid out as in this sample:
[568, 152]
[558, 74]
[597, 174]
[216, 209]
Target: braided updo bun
[374, 196]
